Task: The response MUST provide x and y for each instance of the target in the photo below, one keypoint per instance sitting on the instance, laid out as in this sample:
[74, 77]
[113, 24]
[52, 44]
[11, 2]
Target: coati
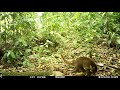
[83, 64]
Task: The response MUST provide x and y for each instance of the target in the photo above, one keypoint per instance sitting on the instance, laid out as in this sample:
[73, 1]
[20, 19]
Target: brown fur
[83, 64]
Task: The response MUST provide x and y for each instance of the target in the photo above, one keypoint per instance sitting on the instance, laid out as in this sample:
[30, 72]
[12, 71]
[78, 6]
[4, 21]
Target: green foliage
[16, 34]
[26, 63]
[23, 33]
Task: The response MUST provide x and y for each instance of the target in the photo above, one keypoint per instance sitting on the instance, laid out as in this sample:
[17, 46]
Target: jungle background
[31, 43]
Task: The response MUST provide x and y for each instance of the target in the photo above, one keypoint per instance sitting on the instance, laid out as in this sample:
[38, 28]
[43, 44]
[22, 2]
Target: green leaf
[25, 43]
[16, 43]
[28, 50]
[12, 54]
[118, 40]
[8, 53]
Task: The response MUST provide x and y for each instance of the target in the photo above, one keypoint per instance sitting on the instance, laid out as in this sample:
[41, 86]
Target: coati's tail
[68, 62]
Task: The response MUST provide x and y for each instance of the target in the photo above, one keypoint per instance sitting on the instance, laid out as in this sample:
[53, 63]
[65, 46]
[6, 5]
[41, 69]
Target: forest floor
[107, 61]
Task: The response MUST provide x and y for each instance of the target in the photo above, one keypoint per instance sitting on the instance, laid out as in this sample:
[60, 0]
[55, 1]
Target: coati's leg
[75, 70]
[87, 69]
[79, 68]
[88, 73]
